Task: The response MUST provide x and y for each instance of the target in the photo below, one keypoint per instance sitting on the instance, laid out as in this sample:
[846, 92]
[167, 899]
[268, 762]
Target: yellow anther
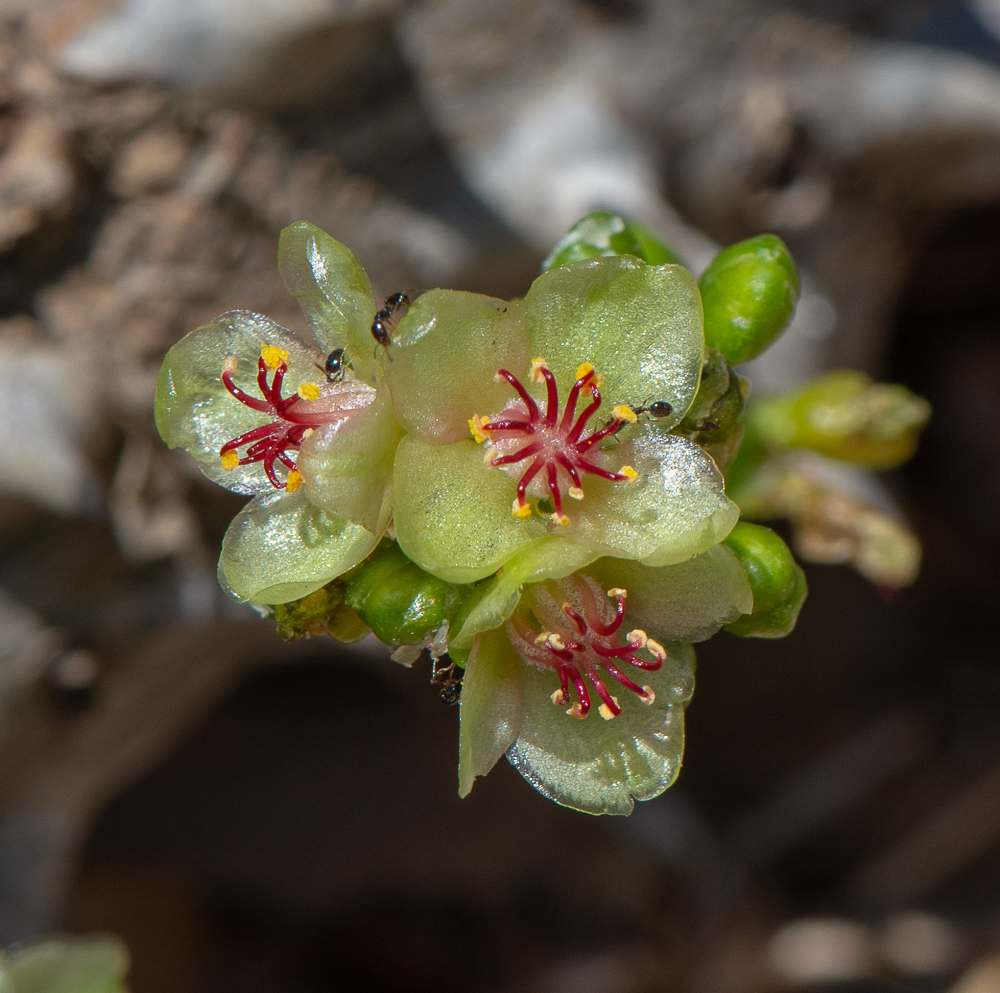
[582, 369]
[294, 481]
[537, 365]
[637, 638]
[489, 454]
[307, 433]
[309, 391]
[555, 641]
[273, 356]
[629, 473]
[625, 413]
[576, 710]
[656, 649]
[575, 492]
[479, 432]
[650, 696]
[230, 365]
[521, 511]
[618, 591]
[606, 712]
[230, 460]
[559, 698]
[559, 519]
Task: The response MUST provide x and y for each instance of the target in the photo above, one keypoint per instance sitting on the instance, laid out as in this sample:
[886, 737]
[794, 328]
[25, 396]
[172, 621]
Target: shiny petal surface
[492, 706]
[674, 509]
[195, 411]
[281, 547]
[538, 560]
[347, 464]
[452, 514]
[444, 356]
[600, 766]
[639, 325]
[334, 292]
[686, 602]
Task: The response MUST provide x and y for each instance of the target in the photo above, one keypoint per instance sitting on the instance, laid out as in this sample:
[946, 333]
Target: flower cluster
[531, 489]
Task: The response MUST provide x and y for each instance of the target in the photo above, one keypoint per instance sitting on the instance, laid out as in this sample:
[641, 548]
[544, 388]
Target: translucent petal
[444, 357]
[67, 965]
[452, 514]
[347, 464]
[687, 602]
[195, 411]
[598, 766]
[676, 507]
[334, 292]
[540, 559]
[281, 547]
[492, 706]
[639, 325]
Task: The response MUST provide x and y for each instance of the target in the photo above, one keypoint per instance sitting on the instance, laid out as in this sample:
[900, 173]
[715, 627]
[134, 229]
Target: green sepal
[598, 766]
[601, 233]
[749, 293]
[334, 292]
[767, 562]
[281, 547]
[66, 965]
[397, 599]
[779, 621]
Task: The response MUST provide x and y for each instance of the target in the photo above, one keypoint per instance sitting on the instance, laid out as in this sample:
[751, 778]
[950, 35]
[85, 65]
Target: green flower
[307, 431]
[614, 638]
[531, 377]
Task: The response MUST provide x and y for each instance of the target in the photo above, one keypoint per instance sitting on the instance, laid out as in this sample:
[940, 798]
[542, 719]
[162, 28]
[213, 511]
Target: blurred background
[253, 816]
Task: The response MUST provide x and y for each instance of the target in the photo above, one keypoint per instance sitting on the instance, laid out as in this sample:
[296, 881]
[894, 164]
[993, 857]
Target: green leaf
[195, 411]
[443, 359]
[491, 708]
[779, 621]
[639, 325]
[452, 513]
[685, 602]
[599, 766]
[281, 547]
[334, 292]
[540, 559]
[347, 464]
[68, 965]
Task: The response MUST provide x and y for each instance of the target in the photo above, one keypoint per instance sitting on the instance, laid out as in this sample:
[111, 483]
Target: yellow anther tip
[575, 492]
[309, 391]
[476, 427]
[625, 413]
[618, 591]
[537, 365]
[560, 519]
[650, 696]
[273, 356]
[576, 711]
[521, 512]
[294, 481]
[583, 369]
[629, 473]
[230, 460]
[230, 365]
[606, 712]
[656, 648]
[558, 698]
[637, 638]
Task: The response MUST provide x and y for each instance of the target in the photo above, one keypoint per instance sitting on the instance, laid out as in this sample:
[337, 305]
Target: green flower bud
[767, 561]
[601, 233]
[400, 602]
[779, 621]
[844, 415]
[749, 293]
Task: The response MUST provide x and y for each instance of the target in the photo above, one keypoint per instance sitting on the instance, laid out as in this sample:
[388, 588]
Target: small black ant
[334, 367]
[446, 678]
[657, 409]
[388, 317]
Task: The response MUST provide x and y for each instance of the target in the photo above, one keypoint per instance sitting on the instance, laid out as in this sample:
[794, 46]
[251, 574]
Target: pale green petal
[443, 359]
[334, 292]
[676, 507]
[639, 325]
[492, 706]
[195, 411]
[67, 965]
[538, 560]
[598, 766]
[347, 465]
[281, 547]
[686, 602]
[452, 514]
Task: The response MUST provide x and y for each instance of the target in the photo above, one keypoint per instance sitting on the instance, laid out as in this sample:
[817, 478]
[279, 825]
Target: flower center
[580, 639]
[557, 445]
[293, 418]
